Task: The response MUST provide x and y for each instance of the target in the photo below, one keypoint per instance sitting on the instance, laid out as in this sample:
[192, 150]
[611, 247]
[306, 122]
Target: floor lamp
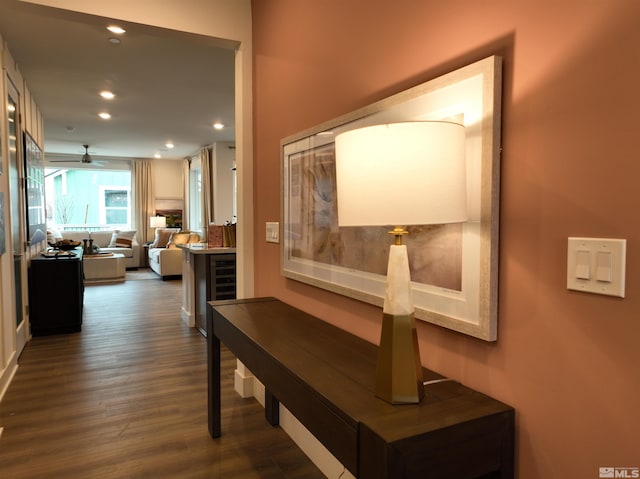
[404, 174]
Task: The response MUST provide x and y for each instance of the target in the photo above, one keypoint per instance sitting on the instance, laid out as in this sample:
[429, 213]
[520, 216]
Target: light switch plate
[273, 232]
[597, 265]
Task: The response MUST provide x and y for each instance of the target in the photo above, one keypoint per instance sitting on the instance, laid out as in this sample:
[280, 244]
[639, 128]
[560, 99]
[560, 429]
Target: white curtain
[143, 199]
[207, 206]
[186, 168]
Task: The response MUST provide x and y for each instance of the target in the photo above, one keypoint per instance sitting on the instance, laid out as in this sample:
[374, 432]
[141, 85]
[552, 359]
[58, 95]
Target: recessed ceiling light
[115, 41]
[157, 155]
[70, 129]
[116, 29]
[104, 115]
[218, 126]
[108, 95]
[169, 145]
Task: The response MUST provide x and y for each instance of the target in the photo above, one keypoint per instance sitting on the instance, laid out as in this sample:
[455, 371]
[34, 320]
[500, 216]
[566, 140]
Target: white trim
[307, 442]
[8, 374]
[243, 380]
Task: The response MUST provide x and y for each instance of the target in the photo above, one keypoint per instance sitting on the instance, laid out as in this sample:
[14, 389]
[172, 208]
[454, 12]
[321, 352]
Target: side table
[145, 255]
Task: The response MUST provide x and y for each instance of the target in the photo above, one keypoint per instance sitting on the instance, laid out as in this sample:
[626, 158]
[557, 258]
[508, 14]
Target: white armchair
[165, 258]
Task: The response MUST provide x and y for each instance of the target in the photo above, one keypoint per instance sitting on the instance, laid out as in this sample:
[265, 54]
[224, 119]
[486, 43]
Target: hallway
[126, 398]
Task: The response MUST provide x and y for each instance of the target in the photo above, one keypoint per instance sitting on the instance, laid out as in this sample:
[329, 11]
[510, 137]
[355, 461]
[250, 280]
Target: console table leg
[271, 408]
[213, 403]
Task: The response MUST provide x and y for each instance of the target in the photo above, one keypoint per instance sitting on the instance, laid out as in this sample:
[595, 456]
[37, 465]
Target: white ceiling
[169, 86]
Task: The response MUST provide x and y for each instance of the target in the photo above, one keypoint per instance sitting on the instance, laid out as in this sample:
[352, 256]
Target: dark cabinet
[222, 277]
[215, 279]
[56, 295]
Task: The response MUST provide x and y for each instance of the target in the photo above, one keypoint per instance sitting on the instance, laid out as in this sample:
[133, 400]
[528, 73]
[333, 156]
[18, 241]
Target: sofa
[114, 241]
[165, 257]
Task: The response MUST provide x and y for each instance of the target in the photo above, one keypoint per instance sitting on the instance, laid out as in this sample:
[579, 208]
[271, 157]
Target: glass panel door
[15, 199]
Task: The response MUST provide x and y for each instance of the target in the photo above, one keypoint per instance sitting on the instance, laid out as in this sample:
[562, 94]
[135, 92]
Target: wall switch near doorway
[273, 232]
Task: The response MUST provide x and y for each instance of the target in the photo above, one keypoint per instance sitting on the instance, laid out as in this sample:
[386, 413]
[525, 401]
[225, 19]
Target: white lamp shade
[157, 221]
[401, 174]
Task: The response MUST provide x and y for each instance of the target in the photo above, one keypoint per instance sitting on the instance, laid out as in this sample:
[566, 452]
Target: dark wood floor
[126, 398]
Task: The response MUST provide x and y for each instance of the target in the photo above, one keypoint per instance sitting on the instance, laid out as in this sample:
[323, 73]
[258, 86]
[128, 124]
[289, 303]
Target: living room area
[98, 220]
[85, 250]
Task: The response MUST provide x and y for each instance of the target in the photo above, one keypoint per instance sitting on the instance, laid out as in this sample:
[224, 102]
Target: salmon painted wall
[568, 362]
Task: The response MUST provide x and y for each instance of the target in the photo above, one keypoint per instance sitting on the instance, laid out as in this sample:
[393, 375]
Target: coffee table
[103, 268]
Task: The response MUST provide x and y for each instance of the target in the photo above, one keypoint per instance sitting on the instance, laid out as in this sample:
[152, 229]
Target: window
[88, 199]
[195, 196]
[115, 205]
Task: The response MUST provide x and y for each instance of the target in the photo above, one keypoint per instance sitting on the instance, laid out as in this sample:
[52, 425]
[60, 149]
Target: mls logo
[627, 472]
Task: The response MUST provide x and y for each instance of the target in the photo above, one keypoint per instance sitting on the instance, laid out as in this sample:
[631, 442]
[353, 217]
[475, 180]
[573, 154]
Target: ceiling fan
[86, 158]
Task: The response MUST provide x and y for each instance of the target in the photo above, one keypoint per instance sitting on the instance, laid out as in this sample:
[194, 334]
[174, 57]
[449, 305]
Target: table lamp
[157, 221]
[401, 174]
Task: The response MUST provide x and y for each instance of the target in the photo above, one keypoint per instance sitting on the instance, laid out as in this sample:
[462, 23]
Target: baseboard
[243, 383]
[188, 318]
[23, 336]
[313, 449]
[8, 374]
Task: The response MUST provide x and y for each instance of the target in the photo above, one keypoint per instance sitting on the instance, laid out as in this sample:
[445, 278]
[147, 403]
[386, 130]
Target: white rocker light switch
[596, 265]
[583, 264]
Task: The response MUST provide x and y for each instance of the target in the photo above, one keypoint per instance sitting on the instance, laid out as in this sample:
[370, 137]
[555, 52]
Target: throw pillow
[163, 235]
[178, 238]
[122, 239]
[53, 235]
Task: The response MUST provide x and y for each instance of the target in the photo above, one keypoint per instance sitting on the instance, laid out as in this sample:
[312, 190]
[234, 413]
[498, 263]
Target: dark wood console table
[325, 377]
[56, 294]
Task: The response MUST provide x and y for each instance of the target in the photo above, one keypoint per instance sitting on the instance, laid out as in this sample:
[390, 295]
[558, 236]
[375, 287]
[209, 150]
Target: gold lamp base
[399, 375]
